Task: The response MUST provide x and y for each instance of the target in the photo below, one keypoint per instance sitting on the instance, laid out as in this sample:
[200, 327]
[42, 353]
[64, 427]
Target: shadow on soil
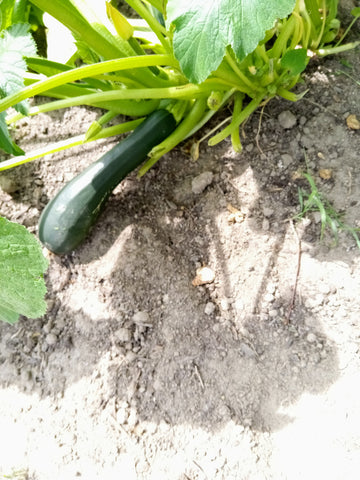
[240, 360]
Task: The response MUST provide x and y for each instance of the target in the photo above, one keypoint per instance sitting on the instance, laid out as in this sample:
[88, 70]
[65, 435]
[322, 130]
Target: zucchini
[69, 216]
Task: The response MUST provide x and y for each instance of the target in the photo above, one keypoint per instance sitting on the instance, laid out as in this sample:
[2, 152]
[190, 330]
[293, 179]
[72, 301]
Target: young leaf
[22, 264]
[203, 30]
[295, 61]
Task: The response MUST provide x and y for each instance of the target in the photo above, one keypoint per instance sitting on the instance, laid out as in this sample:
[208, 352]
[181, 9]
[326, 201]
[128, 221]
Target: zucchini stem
[177, 136]
[69, 143]
[83, 72]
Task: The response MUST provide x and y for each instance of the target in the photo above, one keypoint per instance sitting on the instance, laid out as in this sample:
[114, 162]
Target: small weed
[329, 217]
[341, 72]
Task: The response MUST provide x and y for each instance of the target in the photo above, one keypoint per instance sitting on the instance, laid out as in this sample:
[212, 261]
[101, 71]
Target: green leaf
[295, 61]
[355, 12]
[6, 142]
[22, 265]
[15, 44]
[204, 29]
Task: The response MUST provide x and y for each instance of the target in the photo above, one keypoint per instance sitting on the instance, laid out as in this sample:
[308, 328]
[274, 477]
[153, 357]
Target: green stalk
[260, 51]
[298, 31]
[318, 40]
[98, 99]
[69, 143]
[210, 113]
[236, 121]
[177, 136]
[280, 44]
[155, 26]
[83, 72]
[312, 7]
[97, 125]
[346, 31]
[284, 93]
[322, 52]
[159, 4]
[235, 67]
[226, 74]
[96, 24]
[235, 134]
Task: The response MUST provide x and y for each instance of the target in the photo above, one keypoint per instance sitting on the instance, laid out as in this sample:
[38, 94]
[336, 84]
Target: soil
[135, 372]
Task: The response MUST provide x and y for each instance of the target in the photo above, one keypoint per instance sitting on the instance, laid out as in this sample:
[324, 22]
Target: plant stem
[177, 136]
[346, 31]
[322, 52]
[155, 26]
[234, 66]
[209, 114]
[98, 99]
[280, 44]
[235, 134]
[282, 92]
[83, 72]
[236, 121]
[69, 143]
[323, 24]
[157, 4]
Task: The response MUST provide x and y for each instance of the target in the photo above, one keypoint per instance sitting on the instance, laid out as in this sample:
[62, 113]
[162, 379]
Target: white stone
[202, 181]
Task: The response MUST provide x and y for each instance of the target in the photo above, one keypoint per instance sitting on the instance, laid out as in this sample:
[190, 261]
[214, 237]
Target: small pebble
[269, 297]
[202, 181]
[7, 185]
[122, 416]
[123, 335]
[286, 160]
[132, 418]
[266, 225]
[273, 313]
[247, 351]
[224, 304]
[209, 308]
[60, 323]
[311, 338]
[267, 211]
[51, 339]
[48, 326]
[141, 318]
[287, 119]
[204, 275]
[239, 305]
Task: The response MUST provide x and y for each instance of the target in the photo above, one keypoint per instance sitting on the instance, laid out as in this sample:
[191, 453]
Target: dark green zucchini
[68, 217]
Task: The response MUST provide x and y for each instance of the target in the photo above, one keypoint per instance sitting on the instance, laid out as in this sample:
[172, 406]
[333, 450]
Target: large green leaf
[22, 265]
[204, 28]
[15, 43]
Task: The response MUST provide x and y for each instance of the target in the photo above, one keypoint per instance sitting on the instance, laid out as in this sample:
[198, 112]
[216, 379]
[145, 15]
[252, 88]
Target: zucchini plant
[188, 59]
[169, 58]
